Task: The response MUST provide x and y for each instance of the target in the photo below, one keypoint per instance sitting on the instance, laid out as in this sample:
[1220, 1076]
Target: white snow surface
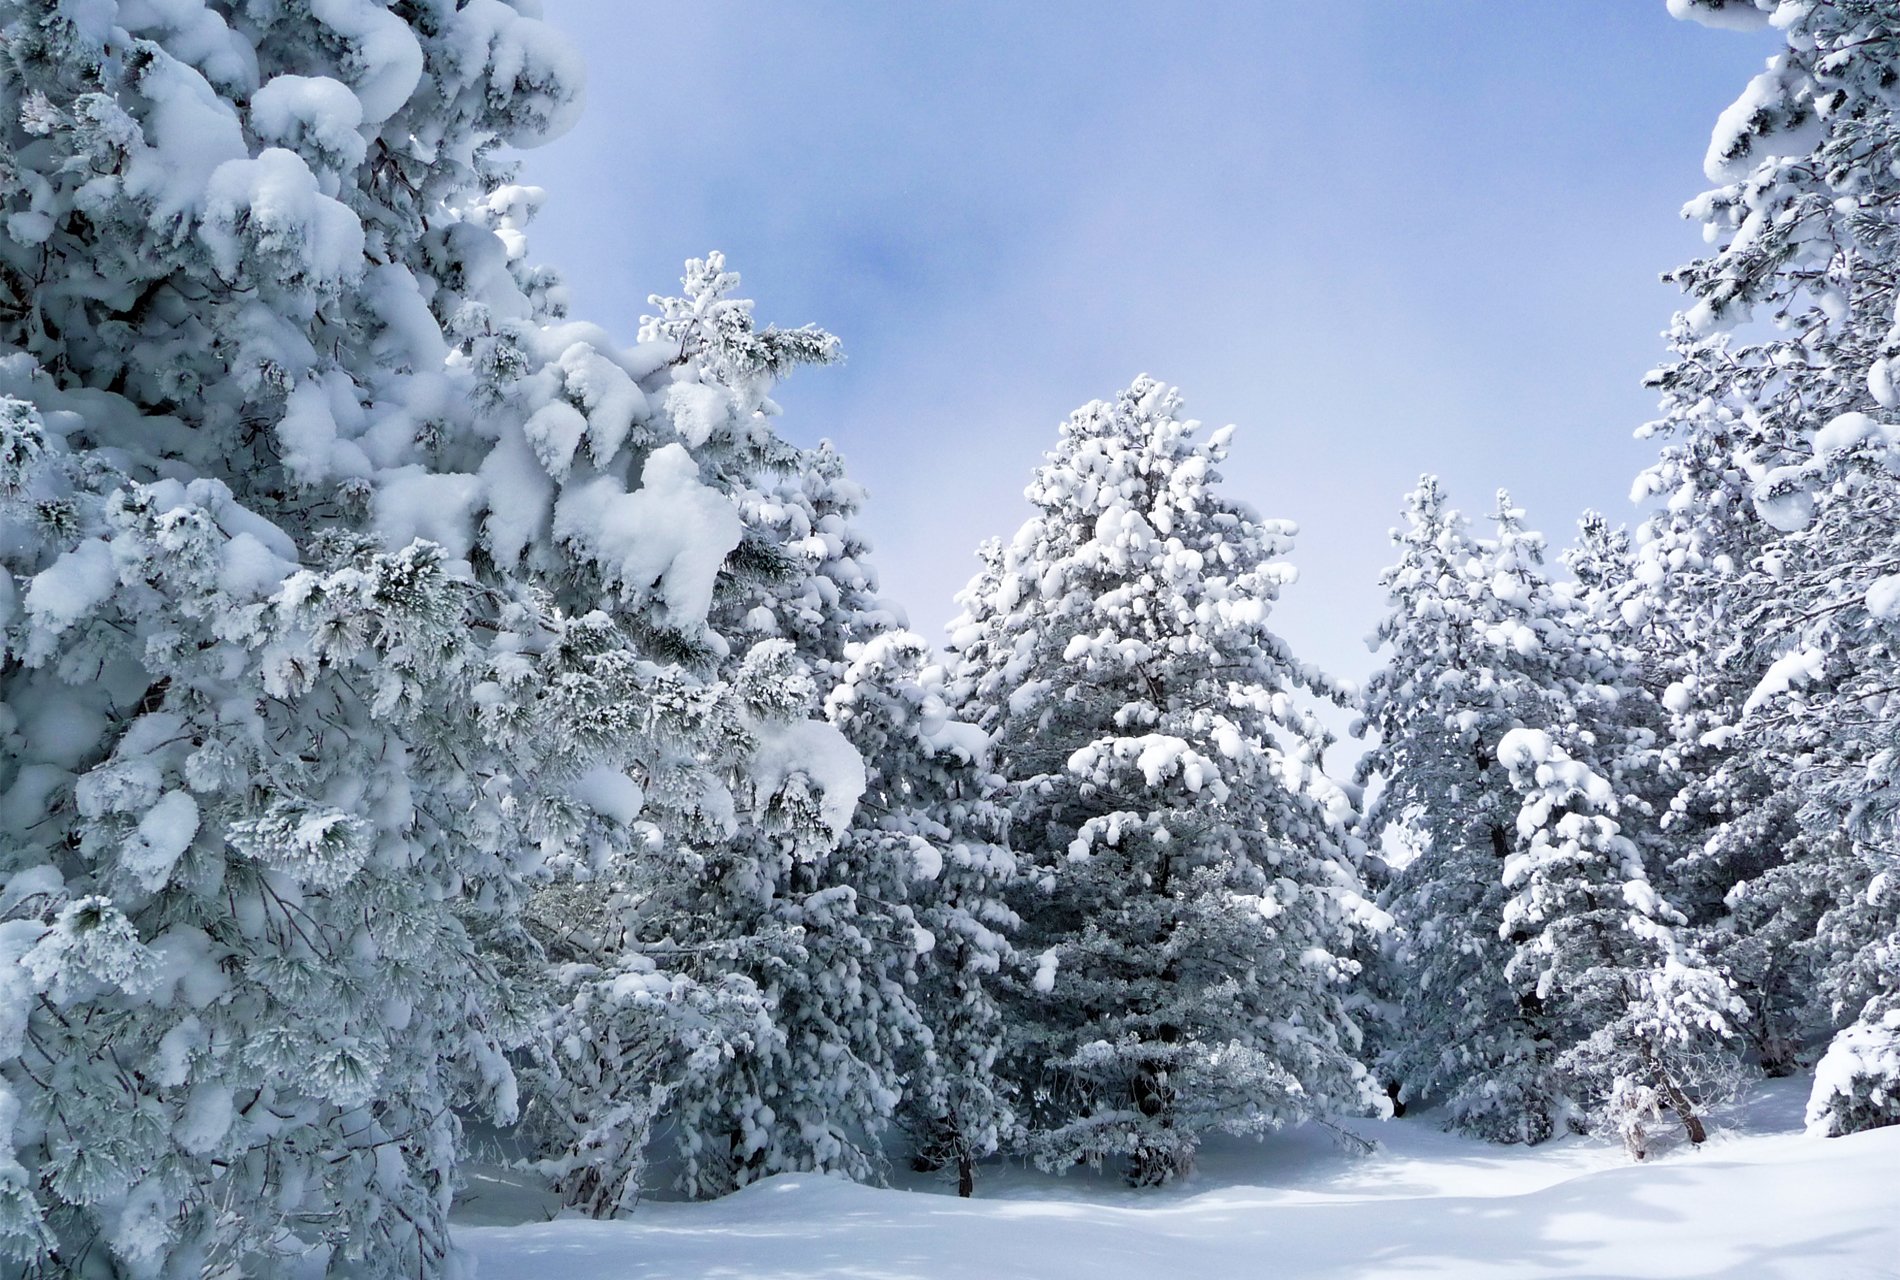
[1762, 1201]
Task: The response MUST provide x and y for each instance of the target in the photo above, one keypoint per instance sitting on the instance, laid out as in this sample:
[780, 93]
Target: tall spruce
[365, 587]
[1773, 549]
[1465, 663]
[358, 578]
[1644, 1026]
[1538, 978]
[744, 982]
[1189, 904]
[930, 805]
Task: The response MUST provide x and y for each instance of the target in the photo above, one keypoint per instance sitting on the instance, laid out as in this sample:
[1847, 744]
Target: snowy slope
[1761, 1203]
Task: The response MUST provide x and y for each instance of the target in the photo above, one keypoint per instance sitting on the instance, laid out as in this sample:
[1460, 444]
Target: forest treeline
[420, 709]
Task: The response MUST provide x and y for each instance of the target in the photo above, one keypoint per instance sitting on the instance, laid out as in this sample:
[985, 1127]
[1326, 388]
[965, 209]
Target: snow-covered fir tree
[1647, 1021]
[1710, 816]
[1536, 974]
[778, 900]
[1189, 905]
[930, 799]
[777, 935]
[1643, 1023]
[1466, 662]
[349, 585]
[1773, 551]
[261, 326]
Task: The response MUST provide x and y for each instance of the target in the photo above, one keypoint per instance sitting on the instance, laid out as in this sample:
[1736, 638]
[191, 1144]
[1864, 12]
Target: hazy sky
[1382, 236]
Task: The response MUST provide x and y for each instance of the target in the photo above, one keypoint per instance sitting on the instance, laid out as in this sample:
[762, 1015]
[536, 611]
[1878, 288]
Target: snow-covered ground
[1759, 1201]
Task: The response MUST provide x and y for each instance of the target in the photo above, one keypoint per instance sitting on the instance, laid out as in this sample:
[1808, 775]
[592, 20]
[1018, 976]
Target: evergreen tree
[1773, 549]
[1187, 898]
[258, 336]
[1467, 662]
[930, 801]
[778, 934]
[1642, 1022]
[1537, 974]
[361, 586]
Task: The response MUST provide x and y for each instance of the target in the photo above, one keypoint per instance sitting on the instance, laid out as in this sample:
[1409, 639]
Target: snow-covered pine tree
[1535, 966]
[818, 923]
[1643, 1024]
[1775, 545]
[255, 330]
[930, 798]
[348, 584]
[779, 944]
[1466, 663]
[1686, 791]
[1186, 897]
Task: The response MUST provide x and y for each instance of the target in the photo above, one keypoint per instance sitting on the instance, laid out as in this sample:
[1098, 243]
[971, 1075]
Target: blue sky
[1382, 236]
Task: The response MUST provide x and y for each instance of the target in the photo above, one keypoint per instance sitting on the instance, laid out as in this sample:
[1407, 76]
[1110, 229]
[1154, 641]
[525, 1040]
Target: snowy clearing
[1760, 1201]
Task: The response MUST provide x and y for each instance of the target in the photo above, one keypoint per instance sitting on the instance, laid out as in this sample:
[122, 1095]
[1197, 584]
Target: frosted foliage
[348, 585]
[764, 889]
[1535, 973]
[1765, 569]
[1189, 899]
[932, 803]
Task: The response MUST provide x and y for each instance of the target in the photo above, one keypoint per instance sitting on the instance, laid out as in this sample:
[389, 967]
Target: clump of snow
[697, 410]
[967, 742]
[1851, 430]
[1045, 978]
[532, 66]
[520, 496]
[1797, 667]
[310, 114]
[386, 61]
[192, 132]
[313, 452]
[823, 756]
[612, 400]
[1523, 749]
[1880, 384]
[268, 211]
[611, 793]
[672, 532]
[73, 585]
[1883, 597]
[249, 569]
[1782, 502]
[926, 859]
[554, 432]
[1677, 698]
[162, 837]
[207, 1117]
[414, 503]
[1157, 756]
[1724, 15]
[1750, 128]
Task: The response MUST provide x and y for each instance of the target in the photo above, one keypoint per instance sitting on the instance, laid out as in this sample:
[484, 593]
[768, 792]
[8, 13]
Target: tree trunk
[1684, 1109]
[966, 1176]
